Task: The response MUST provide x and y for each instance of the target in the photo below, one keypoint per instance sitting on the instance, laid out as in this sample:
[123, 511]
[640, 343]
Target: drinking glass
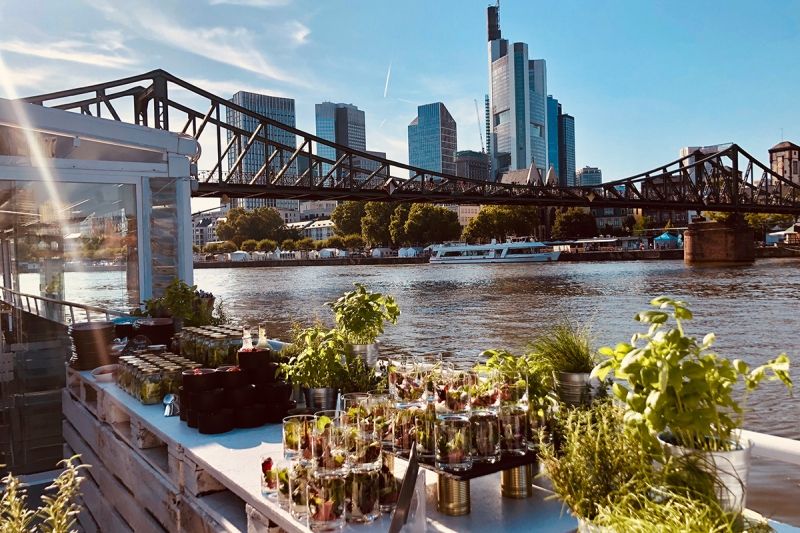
[485, 428]
[363, 494]
[404, 428]
[381, 407]
[299, 476]
[453, 443]
[297, 431]
[326, 500]
[354, 407]
[513, 429]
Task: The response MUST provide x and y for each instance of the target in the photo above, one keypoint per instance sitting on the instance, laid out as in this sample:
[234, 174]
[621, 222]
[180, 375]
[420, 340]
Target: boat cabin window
[520, 251]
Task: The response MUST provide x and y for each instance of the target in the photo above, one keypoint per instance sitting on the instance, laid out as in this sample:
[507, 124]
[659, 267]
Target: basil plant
[675, 385]
[361, 314]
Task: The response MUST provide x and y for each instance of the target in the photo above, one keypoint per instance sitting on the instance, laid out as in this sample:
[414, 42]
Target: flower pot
[368, 352]
[730, 467]
[576, 388]
[321, 398]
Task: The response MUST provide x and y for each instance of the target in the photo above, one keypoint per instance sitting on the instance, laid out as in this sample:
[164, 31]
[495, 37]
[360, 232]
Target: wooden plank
[197, 519]
[106, 518]
[196, 481]
[114, 492]
[258, 523]
[86, 522]
[152, 488]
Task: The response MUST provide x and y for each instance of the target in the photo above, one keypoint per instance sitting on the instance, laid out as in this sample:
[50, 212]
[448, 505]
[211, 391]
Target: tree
[347, 217]
[211, 248]
[288, 244]
[195, 249]
[397, 223]
[429, 223]
[353, 241]
[266, 245]
[336, 241]
[498, 222]
[260, 223]
[375, 224]
[227, 247]
[306, 243]
[574, 223]
[629, 224]
[250, 245]
[761, 223]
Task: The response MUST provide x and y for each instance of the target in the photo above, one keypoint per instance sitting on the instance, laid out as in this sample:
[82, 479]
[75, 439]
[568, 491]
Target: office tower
[432, 139]
[473, 165]
[566, 149]
[342, 124]
[552, 132]
[276, 108]
[784, 159]
[518, 103]
[588, 176]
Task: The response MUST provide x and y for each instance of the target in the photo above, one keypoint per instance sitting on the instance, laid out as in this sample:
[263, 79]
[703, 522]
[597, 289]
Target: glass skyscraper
[517, 102]
[342, 124]
[553, 108]
[588, 176]
[276, 108]
[566, 149]
[432, 139]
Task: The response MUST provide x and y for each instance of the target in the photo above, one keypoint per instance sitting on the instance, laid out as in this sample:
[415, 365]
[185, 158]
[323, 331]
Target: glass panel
[74, 241]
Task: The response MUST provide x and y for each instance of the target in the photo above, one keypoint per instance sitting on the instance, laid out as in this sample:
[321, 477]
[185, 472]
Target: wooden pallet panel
[258, 523]
[152, 489]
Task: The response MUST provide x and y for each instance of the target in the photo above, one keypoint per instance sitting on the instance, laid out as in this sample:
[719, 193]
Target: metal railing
[60, 311]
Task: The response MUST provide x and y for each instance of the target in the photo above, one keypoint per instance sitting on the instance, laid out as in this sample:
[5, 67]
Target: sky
[641, 78]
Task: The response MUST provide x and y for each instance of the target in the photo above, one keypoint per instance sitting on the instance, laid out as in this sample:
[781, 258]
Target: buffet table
[154, 473]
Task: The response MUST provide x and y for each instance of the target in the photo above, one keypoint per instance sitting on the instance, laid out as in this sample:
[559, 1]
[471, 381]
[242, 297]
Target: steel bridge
[727, 180]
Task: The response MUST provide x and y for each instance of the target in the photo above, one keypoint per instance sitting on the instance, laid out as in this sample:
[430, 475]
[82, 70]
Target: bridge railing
[60, 311]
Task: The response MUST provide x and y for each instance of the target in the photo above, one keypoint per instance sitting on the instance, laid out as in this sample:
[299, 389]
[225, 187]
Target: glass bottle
[247, 340]
[262, 345]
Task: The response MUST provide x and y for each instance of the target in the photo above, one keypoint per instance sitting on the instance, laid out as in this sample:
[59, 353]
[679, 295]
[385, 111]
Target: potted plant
[360, 316]
[566, 351]
[681, 397]
[316, 365]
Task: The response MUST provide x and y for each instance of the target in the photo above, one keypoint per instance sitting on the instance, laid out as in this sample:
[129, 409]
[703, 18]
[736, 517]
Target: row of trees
[393, 224]
[346, 242]
[262, 223]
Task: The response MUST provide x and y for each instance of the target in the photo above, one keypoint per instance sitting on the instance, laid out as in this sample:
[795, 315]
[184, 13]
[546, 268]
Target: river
[460, 310]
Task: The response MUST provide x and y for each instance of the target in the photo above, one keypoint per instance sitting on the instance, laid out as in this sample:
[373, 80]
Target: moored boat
[523, 250]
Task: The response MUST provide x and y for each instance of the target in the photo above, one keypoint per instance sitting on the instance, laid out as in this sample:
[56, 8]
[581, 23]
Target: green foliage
[357, 375]
[361, 314]
[565, 347]
[58, 511]
[375, 224]
[195, 249]
[250, 245]
[500, 221]
[670, 381]
[336, 241]
[760, 223]
[288, 245]
[228, 247]
[260, 223]
[211, 248]
[574, 223]
[317, 357]
[428, 223]
[397, 223]
[354, 241]
[183, 302]
[266, 245]
[347, 217]
[539, 379]
[306, 243]
[598, 460]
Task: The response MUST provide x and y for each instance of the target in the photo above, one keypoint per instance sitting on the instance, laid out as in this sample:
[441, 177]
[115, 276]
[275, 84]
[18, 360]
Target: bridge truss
[727, 180]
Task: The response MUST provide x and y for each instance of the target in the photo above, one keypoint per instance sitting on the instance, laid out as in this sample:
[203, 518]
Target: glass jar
[404, 429]
[485, 436]
[297, 431]
[217, 350]
[513, 421]
[453, 443]
[326, 500]
[363, 495]
[151, 388]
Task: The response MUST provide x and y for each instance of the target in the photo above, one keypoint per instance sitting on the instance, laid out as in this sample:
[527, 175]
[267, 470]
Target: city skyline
[648, 84]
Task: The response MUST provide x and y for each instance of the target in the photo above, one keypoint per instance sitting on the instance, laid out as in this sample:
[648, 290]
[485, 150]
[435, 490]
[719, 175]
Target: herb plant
[316, 359]
[361, 314]
[671, 382]
[566, 347]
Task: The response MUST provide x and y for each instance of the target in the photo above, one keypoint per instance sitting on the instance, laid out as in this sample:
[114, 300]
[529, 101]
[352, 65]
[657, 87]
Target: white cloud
[25, 78]
[299, 32]
[104, 49]
[234, 46]
[251, 3]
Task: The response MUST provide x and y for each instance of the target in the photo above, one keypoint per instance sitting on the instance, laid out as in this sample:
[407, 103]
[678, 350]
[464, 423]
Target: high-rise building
[553, 108]
[588, 176]
[432, 139]
[473, 165]
[566, 149]
[784, 160]
[276, 108]
[518, 104]
[342, 124]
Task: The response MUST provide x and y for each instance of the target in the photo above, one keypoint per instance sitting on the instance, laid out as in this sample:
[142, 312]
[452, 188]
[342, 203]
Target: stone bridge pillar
[718, 242]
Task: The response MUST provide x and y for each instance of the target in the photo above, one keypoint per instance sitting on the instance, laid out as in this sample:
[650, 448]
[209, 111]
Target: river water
[460, 310]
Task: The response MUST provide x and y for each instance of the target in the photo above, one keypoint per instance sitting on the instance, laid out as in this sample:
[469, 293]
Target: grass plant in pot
[361, 316]
[684, 399]
[566, 350]
[316, 365]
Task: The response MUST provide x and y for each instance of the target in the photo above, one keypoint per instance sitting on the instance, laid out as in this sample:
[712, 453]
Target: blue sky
[641, 78]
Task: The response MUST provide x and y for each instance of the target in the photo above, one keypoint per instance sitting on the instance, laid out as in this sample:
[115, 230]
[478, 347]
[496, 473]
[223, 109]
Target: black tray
[478, 469]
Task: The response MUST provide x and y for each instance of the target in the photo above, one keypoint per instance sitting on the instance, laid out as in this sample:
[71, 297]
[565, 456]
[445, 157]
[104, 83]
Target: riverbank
[571, 257]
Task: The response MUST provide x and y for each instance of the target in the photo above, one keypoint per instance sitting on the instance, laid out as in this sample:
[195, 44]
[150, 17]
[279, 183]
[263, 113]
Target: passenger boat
[521, 250]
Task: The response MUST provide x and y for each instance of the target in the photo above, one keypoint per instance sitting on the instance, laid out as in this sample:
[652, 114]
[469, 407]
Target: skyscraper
[432, 139]
[552, 132]
[473, 165]
[588, 176]
[566, 149]
[276, 108]
[518, 103]
[342, 124]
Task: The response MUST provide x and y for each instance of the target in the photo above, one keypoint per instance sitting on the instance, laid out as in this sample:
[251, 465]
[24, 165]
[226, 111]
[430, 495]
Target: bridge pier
[710, 242]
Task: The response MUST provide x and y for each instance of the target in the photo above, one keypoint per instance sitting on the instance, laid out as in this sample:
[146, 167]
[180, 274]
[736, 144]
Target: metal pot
[576, 388]
[321, 399]
[731, 469]
[368, 352]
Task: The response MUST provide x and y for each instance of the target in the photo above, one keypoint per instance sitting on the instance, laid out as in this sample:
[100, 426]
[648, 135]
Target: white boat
[513, 251]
